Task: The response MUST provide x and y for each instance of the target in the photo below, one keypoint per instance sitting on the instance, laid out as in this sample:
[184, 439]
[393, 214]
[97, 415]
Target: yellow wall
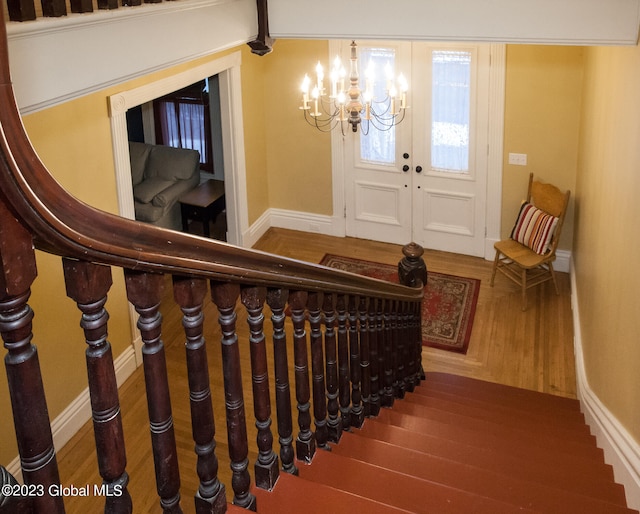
[298, 156]
[253, 109]
[289, 167]
[606, 249]
[542, 118]
[74, 141]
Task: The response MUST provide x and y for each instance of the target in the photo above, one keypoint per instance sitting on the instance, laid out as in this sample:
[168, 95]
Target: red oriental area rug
[448, 307]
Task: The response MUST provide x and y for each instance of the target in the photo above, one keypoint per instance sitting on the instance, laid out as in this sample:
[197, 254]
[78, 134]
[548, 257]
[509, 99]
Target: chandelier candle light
[352, 105]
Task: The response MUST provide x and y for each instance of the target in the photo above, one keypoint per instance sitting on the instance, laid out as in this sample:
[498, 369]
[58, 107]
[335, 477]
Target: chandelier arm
[384, 124]
[348, 107]
[328, 105]
[385, 112]
[365, 131]
[322, 124]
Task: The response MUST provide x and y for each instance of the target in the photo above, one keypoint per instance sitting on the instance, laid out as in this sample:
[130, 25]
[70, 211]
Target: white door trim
[228, 67]
[496, 148]
[494, 153]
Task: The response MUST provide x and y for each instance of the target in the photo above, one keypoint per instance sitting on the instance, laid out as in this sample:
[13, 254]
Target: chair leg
[495, 267]
[553, 277]
[524, 289]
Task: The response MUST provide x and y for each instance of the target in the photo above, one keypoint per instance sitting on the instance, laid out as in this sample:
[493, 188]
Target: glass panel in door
[377, 141]
[450, 113]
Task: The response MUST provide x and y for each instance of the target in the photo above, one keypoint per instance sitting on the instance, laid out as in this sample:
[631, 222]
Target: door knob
[405, 167]
[418, 169]
[405, 155]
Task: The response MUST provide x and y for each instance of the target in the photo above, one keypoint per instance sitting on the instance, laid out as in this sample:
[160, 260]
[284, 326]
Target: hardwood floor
[532, 349]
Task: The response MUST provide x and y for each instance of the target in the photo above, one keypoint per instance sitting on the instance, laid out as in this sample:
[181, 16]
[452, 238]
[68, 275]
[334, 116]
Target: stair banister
[63, 225]
[346, 328]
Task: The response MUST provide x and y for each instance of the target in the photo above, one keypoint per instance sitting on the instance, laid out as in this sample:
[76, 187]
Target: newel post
[412, 271]
[412, 267]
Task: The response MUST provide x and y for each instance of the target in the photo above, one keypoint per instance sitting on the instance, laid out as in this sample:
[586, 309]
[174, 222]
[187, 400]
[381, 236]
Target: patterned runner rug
[448, 307]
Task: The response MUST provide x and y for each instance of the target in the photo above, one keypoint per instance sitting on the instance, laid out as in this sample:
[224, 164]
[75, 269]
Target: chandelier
[347, 104]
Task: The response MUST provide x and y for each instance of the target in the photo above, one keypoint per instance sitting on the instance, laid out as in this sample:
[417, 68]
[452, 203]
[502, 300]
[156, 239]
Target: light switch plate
[519, 159]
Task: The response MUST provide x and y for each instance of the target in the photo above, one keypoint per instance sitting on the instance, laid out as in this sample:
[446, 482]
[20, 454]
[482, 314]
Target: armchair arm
[169, 196]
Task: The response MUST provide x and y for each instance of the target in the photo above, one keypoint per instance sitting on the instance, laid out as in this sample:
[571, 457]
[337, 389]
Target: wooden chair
[520, 262]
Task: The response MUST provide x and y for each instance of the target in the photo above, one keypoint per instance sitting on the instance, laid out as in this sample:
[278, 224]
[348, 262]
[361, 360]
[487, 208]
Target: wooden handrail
[63, 225]
[363, 343]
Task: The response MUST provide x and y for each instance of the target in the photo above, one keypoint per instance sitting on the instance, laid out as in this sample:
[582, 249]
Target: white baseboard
[256, 230]
[78, 412]
[489, 250]
[307, 222]
[294, 220]
[563, 261]
[621, 450]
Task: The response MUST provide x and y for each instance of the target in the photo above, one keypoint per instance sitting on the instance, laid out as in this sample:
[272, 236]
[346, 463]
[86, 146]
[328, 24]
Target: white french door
[425, 180]
[377, 195]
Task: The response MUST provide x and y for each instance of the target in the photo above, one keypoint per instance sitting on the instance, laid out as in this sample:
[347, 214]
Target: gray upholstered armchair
[160, 175]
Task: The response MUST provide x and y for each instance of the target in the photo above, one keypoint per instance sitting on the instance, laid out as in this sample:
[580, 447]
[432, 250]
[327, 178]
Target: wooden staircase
[451, 444]
[458, 445]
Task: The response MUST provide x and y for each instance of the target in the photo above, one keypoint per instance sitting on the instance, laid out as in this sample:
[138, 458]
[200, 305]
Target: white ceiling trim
[55, 60]
[565, 22]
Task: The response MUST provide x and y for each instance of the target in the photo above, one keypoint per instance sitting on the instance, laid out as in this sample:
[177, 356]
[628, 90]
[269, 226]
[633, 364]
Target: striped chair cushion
[534, 228]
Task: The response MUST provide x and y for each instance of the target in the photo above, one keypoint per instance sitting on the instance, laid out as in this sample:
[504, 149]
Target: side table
[202, 203]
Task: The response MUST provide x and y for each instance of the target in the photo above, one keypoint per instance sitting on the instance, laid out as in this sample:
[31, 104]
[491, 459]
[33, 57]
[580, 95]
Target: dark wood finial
[412, 270]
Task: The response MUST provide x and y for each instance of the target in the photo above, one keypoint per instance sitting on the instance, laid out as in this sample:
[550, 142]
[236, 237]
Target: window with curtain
[379, 146]
[182, 121]
[450, 123]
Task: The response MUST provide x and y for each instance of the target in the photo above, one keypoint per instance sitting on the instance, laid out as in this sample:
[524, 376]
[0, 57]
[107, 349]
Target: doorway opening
[229, 135]
[189, 118]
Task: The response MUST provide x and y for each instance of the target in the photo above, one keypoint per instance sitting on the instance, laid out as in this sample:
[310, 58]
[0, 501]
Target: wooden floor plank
[532, 350]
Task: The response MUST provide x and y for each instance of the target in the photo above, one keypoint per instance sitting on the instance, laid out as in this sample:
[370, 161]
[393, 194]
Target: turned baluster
[305, 442]
[375, 346]
[317, 370]
[54, 8]
[365, 363]
[387, 355]
[30, 414]
[21, 10]
[417, 326]
[225, 296]
[189, 294]
[334, 422]
[344, 382]
[409, 348]
[357, 412]
[266, 467]
[144, 291]
[277, 301]
[88, 284]
[397, 350]
[11, 503]
[416, 340]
